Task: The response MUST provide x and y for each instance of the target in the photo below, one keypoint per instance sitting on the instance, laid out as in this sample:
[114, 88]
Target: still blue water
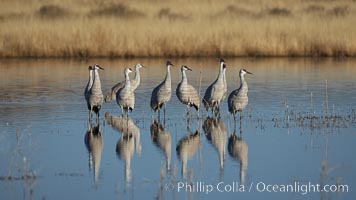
[44, 120]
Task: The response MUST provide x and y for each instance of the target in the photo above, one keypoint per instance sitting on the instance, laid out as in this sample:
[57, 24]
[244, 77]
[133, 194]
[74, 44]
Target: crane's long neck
[167, 79]
[96, 87]
[96, 81]
[221, 76]
[184, 78]
[127, 78]
[90, 81]
[243, 84]
[137, 77]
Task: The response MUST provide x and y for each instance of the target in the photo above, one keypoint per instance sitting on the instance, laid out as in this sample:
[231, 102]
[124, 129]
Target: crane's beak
[100, 67]
[189, 69]
[248, 72]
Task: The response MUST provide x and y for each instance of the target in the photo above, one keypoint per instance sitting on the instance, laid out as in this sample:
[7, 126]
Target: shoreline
[136, 29]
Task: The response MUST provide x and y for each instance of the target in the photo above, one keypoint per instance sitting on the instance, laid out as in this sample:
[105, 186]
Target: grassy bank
[91, 28]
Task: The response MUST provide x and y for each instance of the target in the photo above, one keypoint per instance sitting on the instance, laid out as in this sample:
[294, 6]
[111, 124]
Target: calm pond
[296, 139]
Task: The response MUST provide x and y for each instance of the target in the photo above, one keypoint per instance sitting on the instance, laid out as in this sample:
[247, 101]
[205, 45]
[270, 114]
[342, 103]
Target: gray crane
[186, 93]
[238, 98]
[95, 94]
[162, 93]
[162, 139]
[125, 97]
[216, 92]
[88, 87]
[111, 94]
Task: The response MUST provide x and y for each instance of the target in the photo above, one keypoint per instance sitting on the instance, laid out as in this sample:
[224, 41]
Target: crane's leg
[217, 111]
[159, 114]
[91, 114]
[97, 118]
[234, 123]
[197, 116]
[127, 124]
[122, 111]
[164, 115]
[240, 126]
[188, 116]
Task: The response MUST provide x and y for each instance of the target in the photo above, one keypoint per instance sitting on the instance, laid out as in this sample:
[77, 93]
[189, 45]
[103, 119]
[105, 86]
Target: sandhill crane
[88, 87]
[162, 139]
[186, 149]
[162, 93]
[125, 97]
[94, 144]
[111, 94]
[238, 98]
[216, 92]
[95, 94]
[186, 93]
[215, 132]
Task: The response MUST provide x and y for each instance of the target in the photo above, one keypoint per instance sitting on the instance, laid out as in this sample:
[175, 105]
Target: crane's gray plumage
[111, 94]
[186, 93]
[137, 79]
[162, 93]
[89, 85]
[216, 92]
[238, 98]
[238, 149]
[162, 138]
[95, 93]
[125, 97]
[215, 132]
[94, 144]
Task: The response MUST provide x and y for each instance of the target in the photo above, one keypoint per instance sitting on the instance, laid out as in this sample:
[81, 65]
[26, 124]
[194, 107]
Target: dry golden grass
[93, 28]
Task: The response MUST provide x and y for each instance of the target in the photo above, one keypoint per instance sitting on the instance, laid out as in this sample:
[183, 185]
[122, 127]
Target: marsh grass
[88, 28]
[19, 168]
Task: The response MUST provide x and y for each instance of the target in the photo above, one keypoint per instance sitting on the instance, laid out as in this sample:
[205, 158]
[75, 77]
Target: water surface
[298, 127]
